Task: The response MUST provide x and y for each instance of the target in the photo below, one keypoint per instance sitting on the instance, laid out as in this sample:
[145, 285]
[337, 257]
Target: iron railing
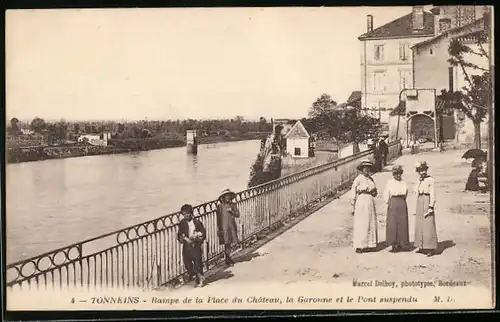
[148, 255]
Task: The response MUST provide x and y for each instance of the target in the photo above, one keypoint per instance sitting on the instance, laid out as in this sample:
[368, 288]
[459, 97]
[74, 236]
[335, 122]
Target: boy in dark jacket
[191, 234]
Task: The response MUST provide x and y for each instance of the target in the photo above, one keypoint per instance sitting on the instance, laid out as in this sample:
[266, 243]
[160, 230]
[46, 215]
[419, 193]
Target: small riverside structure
[96, 139]
[192, 142]
[148, 255]
[297, 141]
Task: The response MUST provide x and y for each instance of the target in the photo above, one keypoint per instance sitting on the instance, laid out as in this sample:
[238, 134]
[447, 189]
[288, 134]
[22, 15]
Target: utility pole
[399, 115]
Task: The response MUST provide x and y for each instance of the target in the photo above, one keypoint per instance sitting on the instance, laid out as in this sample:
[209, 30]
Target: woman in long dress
[395, 193]
[363, 191]
[425, 223]
[472, 183]
[227, 230]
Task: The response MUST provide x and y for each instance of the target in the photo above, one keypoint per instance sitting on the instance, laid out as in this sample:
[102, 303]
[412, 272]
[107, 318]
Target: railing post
[80, 261]
[242, 236]
[269, 219]
[207, 249]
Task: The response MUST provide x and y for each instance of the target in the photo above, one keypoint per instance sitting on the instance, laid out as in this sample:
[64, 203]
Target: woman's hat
[397, 169]
[421, 165]
[227, 192]
[365, 163]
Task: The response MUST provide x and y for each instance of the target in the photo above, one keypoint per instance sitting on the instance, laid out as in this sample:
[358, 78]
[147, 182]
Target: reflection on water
[53, 203]
[194, 162]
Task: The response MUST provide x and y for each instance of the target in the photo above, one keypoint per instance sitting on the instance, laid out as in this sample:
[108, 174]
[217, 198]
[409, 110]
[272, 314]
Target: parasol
[474, 154]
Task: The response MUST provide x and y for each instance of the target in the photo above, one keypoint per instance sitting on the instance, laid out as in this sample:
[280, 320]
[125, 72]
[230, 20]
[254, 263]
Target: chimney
[418, 18]
[369, 23]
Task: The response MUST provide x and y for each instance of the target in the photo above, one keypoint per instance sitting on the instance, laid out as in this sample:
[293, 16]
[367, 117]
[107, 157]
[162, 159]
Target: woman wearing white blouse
[365, 218]
[425, 224]
[395, 193]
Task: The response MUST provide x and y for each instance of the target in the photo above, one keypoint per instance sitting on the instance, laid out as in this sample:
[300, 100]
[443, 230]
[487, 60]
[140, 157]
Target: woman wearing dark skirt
[426, 239]
[396, 191]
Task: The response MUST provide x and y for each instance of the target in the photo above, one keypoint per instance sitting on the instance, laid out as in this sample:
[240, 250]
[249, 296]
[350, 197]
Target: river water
[54, 203]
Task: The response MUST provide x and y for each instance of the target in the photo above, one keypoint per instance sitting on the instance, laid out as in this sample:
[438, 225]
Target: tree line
[62, 129]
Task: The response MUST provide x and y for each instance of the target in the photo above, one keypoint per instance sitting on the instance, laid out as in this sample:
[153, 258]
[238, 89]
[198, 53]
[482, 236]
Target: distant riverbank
[115, 146]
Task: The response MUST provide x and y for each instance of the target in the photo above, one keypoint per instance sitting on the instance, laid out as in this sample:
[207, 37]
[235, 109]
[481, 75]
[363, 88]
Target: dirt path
[319, 248]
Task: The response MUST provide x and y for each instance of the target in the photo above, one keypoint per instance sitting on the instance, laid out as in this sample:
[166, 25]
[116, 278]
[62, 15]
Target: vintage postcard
[333, 158]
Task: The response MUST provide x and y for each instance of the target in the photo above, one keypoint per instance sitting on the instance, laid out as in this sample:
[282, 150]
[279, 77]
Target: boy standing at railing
[192, 234]
[227, 230]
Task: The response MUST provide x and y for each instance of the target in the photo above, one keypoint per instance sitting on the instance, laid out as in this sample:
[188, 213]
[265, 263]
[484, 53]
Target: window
[444, 24]
[297, 151]
[468, 15]
[404, 51]
[379, 82]
[431, 52]
[404, 79]
[379, 52]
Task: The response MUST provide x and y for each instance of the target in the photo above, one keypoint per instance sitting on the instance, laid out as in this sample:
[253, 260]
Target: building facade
[386, 60]
[297, 141]
[432, 69]
[96, 139]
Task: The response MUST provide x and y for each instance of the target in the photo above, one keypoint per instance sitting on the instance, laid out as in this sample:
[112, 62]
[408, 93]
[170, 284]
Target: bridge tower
[192, 142]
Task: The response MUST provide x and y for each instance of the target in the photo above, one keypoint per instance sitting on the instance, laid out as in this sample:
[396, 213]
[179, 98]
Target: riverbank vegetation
[39, 139]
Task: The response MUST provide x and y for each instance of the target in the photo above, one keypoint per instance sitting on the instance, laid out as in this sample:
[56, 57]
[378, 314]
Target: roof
[402, 28]
[355, 95]
[297, 131]
[354, 100]
[458, 31]
[399, 109]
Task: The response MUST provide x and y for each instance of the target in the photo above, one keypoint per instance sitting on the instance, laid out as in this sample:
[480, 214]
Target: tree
[38, 125]
[355, 128]
[472, 99]
[61, 129]
[14, 126]
[51, 133]
[323, 105]
[324, 116]
[328, 121]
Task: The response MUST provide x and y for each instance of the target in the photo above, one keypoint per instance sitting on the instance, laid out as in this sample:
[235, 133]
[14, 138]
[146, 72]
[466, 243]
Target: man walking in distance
[192, 234]
[384, 151]
[377, 155]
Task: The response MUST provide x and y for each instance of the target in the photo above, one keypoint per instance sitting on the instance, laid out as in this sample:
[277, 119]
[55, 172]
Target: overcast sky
[182, 63]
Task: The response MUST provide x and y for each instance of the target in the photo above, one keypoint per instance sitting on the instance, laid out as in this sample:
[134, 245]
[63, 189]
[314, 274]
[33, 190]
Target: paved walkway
[318, 249]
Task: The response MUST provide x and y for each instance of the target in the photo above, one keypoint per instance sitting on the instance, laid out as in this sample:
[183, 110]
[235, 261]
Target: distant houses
[27, 132]
[95, 139]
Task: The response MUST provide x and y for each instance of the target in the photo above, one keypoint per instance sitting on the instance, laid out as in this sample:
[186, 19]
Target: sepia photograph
[277, 158]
